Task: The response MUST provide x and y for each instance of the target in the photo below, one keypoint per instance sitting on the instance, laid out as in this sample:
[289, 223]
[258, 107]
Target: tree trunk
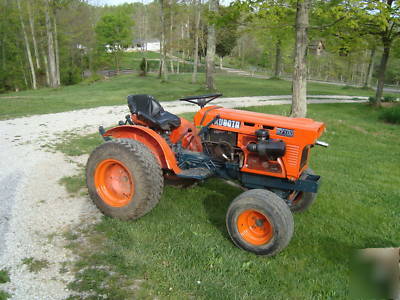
[163, 50]
[50, 48]
[3, 54]
[32, 26]
[299, 81]
[46, 67]
[27, 47]
[116, 60]
[196, 42]
[170, 36]
[278, 59]
[23, 73]
[220, 62]
[370, 69]
[381, 72]
[56, 50]
[242, 54]
[211, 40]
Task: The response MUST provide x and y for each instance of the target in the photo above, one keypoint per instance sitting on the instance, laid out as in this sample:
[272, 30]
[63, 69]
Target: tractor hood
[247, 122]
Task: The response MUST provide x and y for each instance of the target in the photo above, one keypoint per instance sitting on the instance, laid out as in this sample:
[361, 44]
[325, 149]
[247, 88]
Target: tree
[13, 74]
[143, 67]
[33, 34]
[113, 33]
[370, 68]
[197, 5]
[211, 43]
[299, 80]
[274, 22]
[27, 47]
[227, 34]
[51, 37]
[373, 22]
[382, 20]
[163, 45]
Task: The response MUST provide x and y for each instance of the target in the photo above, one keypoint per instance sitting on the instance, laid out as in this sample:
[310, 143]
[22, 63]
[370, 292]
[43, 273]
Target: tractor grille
[292, 154]
[218, 136]
[304, 156]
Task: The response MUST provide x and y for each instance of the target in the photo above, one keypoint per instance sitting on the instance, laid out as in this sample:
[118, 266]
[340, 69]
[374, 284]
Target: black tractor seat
[150, 111]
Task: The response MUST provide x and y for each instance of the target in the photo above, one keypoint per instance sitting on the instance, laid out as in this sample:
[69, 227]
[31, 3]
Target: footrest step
[196, 173]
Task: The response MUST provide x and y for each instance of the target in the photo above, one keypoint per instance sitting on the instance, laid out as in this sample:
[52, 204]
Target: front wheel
[260, 222]
[304, 200]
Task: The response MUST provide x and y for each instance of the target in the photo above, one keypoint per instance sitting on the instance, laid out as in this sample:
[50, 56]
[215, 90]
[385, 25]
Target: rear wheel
[124, 179]
[304, 200]
[260, 222]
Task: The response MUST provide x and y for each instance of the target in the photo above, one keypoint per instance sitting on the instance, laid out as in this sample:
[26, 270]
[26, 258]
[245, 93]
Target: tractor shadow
[217, 202]
[340, 252]
[336, 251]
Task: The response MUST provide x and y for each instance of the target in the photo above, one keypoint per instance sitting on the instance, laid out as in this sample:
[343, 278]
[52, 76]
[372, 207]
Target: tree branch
[327, 25]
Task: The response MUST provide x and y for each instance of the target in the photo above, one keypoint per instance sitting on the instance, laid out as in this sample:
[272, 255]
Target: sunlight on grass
[115, 90]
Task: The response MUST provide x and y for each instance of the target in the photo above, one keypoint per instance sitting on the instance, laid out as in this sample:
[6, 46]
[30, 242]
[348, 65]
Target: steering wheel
[201, 100]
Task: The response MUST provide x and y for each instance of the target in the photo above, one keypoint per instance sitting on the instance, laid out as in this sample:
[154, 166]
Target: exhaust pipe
[321, 143]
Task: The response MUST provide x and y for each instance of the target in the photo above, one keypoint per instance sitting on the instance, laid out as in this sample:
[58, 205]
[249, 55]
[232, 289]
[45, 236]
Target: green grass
[181, 248]
[72, 144]
[73, 184]
[4, 295]
[35, 265]
[391, 114]
[130, 60]
[115, 90]
[4, 278]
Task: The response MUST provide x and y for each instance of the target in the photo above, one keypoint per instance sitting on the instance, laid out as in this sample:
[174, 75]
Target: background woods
[61, 42]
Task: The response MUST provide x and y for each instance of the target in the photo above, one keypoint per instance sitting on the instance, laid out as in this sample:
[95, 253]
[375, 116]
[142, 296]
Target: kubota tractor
[266, 155]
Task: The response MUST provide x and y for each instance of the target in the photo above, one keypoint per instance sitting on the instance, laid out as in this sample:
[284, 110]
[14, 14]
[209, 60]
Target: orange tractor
[265, 155]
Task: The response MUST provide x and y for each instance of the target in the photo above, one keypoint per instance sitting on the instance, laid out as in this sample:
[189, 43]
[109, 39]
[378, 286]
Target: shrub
[391, 114]
[389, 99]
[372, 100]
[71, 75]
[143, 67]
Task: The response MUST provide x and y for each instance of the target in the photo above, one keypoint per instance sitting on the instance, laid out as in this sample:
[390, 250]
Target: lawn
[115, 90]
[130, 60]
[181, 249]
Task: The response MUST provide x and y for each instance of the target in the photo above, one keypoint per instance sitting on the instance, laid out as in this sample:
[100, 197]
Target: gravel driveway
[35, 210]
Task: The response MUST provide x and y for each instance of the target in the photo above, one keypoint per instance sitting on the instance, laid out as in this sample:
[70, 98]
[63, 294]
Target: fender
[150, 139]
[187, 133]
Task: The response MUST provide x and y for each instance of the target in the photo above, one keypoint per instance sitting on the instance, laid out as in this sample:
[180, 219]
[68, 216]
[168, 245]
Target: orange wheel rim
[114, 182]
[254, 227]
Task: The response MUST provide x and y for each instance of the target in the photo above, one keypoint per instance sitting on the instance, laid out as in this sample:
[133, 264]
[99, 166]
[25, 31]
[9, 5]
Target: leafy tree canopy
[114, 30]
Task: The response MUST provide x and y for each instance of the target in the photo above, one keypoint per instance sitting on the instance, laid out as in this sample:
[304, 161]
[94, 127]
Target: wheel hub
[254, 227]
[114, 182]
